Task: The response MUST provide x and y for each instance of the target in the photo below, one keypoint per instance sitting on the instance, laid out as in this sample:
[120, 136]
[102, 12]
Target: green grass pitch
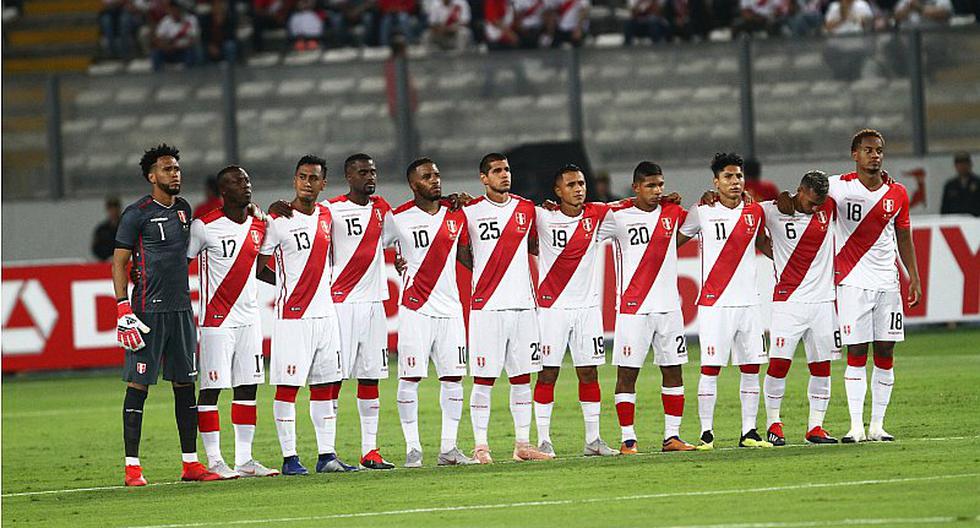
[62, 434]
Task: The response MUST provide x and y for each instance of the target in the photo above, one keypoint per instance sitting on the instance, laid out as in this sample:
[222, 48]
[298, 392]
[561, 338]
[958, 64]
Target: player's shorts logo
[888, 205]
[141, 368]
[410, 361]
[481, 361]
[780, 342]
[291, 370]
[711, 350]
[667, 223]
[546, 350]
[627, 350]
[847, 329]
[213, 375]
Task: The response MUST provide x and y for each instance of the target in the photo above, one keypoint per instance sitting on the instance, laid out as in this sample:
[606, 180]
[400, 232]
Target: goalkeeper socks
[185, 410]
[369, 407]
[451, 401]
[284, 412]
[544, 403]
[243, 420]
[589, 397]
[673, 402]
[210, 427]
[626, 411]
[408, 412]
[323, 417]
[133, 423]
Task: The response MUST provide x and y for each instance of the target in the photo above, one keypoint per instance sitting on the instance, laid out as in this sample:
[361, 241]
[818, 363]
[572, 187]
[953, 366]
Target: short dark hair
[644, 169]
[360, 156]
[863, 133]
[752, 168]
[112, 201]
[817, 181]
[151, 156]
[312, 159]
[230, 169]
[724, 159]
[568, 167]
[488, 159]
[416, 164]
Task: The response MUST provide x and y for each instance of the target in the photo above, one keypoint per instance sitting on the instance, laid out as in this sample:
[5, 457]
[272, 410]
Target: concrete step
[59, 63]
[50, 7]
[53, 36]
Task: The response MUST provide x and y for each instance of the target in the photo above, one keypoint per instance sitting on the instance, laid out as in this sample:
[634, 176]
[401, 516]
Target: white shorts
[363, 340]
[420, 337]
[635, 334]
[867, 315]
[504, 339]
[731, 332]
[577, 329]
[815, 323]
[305, 351]
[231, 357]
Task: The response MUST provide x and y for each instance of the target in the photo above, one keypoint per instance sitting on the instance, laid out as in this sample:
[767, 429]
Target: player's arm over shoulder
[691, 226]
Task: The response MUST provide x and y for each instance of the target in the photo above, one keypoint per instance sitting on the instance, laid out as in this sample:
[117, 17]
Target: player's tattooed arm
[464, 255]
[763, 243]
[262, 271]
[281, 208]
[906, 250]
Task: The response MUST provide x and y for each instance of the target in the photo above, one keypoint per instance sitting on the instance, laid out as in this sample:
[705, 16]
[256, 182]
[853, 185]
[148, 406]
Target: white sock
[480, 412]
[818, 392]
[369, 411]
[775, 389]
[707, 395]
[188, 458]
[211, 439]
[451, 401]
[590, 413]
[408, 412]
[881, 392]
[749, 395]
[856, 386]
[672, 423]
[520, 409]
[324, 424]
[542, 417]
[132, 461]
[285, 415]
[244, 434]
[628, 431]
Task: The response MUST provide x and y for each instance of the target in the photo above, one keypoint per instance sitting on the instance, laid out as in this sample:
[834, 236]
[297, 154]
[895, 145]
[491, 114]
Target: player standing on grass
[156, 325]
[872, 218]
[430, 323]
[226, 241]
[503, 331]
[803, 301]
[644, 230]
[305, 337]
[727, 307]
[569, 313]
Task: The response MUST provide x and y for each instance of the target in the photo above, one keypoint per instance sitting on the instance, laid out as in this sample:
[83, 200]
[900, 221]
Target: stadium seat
[154, 121]
[170, 93]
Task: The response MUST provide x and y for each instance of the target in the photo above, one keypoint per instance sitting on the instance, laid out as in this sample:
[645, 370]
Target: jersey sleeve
[198, 240]
[389, 235]
[607, 228]
[692, 224]
[902, 218]
[130, 226]
[271, 239]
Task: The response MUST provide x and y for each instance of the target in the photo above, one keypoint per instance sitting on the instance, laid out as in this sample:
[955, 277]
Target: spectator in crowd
[305, 26]
[218, 31]
[805, 17]
[923, 13]
[647, 20]
[846, 56]
[760, 15]
[351, 21]
[573, 21]
[397, 16]
[961, 194]
[687, 19]
[118, 21]
[529, 22]
[758, 188]
[268, 15]
[104, 237]
[602, 188]
[498, 18]
[448, 25]
[176, 38]
[212, 199]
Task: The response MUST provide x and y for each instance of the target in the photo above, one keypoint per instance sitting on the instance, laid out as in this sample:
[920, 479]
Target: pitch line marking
[555, 461]
[564, 502]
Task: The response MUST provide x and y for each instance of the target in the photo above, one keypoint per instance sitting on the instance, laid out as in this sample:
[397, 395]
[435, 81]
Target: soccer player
[156, 325]
[644, 230]
[226, 242]
[503, 331]
[872, 218]
[803, 301]
[431, 318]
[569, 314]
[727, 306]
[306, 336]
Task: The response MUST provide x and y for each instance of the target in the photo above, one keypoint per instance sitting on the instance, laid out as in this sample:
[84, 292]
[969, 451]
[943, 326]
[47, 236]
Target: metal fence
[777, 99]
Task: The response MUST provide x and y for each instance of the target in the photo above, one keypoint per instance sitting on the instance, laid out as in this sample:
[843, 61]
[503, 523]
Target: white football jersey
[301, 247]
[569, 12]
[358, 256]
[645, 256]
[802, 253]
[567, 249]
[226, 251]
[428, 243]
[727, 252]
[865, 232]
[501, 270]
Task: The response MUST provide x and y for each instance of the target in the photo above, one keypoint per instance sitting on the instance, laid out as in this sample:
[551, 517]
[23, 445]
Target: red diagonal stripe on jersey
[502, 254]
[648, 268]
[731, 254]
[316, 265]
[432, 266]
[867, 233]
[799, 262]
[360, 261]
[231, 287]
[571, 255]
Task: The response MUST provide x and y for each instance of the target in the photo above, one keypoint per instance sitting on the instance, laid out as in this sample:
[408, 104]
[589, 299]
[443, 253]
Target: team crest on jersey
[325, 228]
[888, 204]
[182, 216]
[521, 219]
[749, 220]
[481, 361]
[452, 227]
[256, 237]
[667, 223]
[141, 368]
[587, 225]
[822, 216]
[377, 214]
